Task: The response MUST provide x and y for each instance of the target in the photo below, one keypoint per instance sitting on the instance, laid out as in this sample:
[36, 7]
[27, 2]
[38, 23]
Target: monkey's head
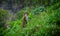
[25, 13]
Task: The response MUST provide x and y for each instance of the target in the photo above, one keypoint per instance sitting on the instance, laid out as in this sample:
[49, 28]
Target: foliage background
[44, 17]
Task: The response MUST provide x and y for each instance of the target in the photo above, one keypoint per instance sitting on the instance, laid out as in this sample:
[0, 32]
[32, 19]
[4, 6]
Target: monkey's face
[25, 14]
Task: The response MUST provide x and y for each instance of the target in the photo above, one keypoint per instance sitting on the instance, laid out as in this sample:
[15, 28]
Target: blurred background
[43, 17]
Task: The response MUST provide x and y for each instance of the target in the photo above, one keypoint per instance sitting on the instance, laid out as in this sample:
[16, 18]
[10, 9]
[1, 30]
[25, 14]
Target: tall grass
[46, 23]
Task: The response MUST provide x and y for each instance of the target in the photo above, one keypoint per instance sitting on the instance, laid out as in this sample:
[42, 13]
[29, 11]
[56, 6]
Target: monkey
[25, 19]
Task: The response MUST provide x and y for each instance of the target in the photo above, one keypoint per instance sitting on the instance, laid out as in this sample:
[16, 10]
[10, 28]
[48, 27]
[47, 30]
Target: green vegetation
[40, 23]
